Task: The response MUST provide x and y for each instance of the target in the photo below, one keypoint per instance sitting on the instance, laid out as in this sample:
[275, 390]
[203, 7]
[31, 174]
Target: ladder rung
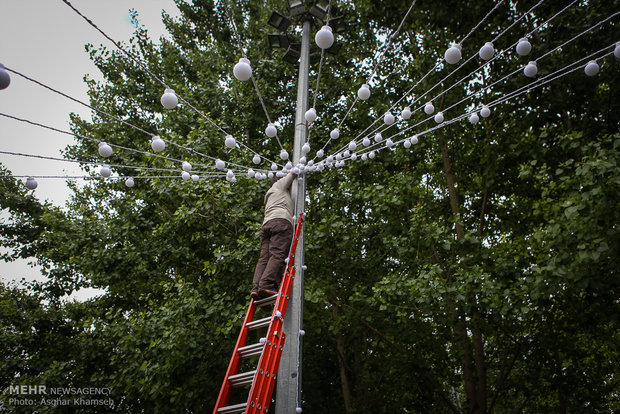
[251, 350]
[244, 378]
[259, 323]
[233, 409]
[266, 301]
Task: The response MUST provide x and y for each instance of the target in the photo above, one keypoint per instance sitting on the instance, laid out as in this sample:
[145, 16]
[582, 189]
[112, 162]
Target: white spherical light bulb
[274, 166]
[414, 139]
[105, 150]
[485, 112]
[474, 118]
[617, 50]
[230, 175]
[363, 92]
[389, 143]
[256, 159]
[105, 171]
[187, 166]
[31, 183]
[429, 108]
[310, 115]
[270, 174]
[486, 52]
[524, 47]
[407, 143]
[169, 99]
[366, 142]
[219, 164]
[271, 130]
[453, 54]
[288, 165]
[129, 182]
[353, 156]
[251, 173]
[338, 157]
[330, 159]
[531, 69]
[243, 70]
[406, 114]
[371, 155]
[158, 144]
[230, 142]
[303, 160]
[388, 118]
[295, 170]
[185, 175]
[364, 157]
[592, 68]
[305, 148]
[195, 177]
[378, 137]
[324, 38]
[298, 410]
[439, 117]
[284, 155]
[335, 133]
[5, 78]
[352, 146]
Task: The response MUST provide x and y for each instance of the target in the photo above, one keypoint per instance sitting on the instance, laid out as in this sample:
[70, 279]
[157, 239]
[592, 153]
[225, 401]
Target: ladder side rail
[265, 397]
[263, 374]
[235, 360]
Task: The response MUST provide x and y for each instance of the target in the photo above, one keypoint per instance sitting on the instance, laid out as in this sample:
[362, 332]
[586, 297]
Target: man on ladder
[275, 236]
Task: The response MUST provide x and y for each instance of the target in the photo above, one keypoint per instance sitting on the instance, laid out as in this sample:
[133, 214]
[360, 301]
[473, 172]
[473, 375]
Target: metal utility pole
[288, 392]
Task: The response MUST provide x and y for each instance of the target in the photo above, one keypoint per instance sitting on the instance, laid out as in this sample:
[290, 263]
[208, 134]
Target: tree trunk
[344, 377]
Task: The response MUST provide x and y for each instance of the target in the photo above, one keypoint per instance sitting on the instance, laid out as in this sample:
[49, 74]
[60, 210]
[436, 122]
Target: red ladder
[263, 379]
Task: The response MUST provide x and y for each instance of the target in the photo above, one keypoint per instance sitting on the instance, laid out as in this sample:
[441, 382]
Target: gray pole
[289, 373]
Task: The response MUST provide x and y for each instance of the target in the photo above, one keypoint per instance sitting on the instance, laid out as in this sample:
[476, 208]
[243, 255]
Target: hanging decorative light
[487, 51]
[366, 141]
[185, 175]
[219, 164]
[283, 155]
[406, 113]
[105, 171]
[363, 92]
[414, 139]
[429, 108]
[305, 148]
[129, 182]
[256, 159]
[474, 118]
[195, 177]
[230, 142]
[169, 99]
[31, 183]
[243, 70]
[324, 38]
[5, 78]
[592, 68]
[388, 118]
[186, 166]
[271, 130]
[485, 112]
[524, 47]
[158, 144]
[105, 150]
[439, 117]
[320, 153]
[335, 133]
[531, 69]
[310, 115]
[378, 137]
[453, 54]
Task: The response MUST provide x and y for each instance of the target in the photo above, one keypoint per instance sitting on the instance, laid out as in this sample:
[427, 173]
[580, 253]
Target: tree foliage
[474, 273]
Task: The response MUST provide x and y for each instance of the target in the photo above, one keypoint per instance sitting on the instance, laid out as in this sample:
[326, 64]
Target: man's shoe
[254, 295]
[265, 293]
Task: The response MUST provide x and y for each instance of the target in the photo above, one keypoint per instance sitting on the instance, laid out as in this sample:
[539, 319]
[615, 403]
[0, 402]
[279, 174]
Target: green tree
[473, 273]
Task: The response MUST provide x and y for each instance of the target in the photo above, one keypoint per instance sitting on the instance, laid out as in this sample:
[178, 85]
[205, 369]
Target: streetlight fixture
[292, 54]
[296, 7]
[277, 41]
[279, 21]
[319, 9]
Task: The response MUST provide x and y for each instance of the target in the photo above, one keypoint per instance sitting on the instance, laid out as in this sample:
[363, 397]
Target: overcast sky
[44, 39]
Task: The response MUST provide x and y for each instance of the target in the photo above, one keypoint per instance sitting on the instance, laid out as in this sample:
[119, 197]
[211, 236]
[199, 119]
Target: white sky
[44, 39]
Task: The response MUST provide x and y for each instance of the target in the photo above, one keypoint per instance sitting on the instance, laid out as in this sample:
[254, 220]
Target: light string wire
[146, 69]
[386, 46]
[113, 145]
[95, 163]
[240, 45]
[437, 65]
[89, 177]
[500, 100]
[102, 112]
[539, 27]
[318, 76]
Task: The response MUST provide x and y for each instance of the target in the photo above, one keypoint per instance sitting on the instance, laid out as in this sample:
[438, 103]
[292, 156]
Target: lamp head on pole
[279, 21]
